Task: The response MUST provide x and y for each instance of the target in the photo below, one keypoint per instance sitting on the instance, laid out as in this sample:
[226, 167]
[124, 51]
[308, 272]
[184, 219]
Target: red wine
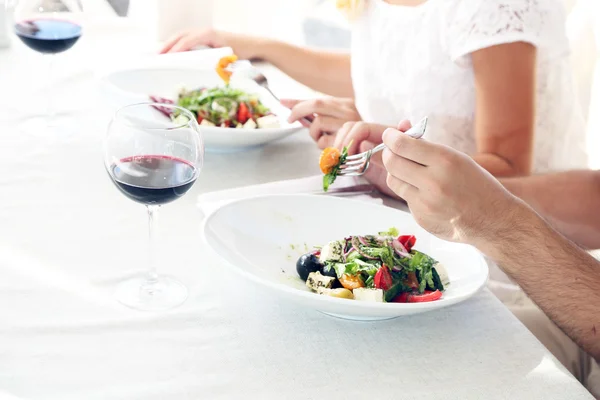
[153, 179]
[48, 35]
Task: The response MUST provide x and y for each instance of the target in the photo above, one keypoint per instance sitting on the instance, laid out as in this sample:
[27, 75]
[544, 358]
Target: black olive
[329, 271]
[306, 264]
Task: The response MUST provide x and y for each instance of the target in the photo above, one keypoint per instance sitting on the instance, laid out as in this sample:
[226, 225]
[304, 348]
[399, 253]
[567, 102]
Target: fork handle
[378, 148]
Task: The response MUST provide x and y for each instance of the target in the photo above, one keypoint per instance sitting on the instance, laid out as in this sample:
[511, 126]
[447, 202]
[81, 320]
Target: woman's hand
[328, 115]
[356, 134]
[244, 46]
[376, 174]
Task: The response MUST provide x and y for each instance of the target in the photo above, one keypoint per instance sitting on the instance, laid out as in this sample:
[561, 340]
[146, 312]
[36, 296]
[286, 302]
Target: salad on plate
[222, 106]
[379, 268]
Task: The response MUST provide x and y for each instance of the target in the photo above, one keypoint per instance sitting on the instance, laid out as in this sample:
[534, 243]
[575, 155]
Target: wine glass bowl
[153, 160]
[48, 26]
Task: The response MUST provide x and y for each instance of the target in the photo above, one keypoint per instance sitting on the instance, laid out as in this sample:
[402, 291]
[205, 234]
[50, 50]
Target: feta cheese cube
[332, 251]
[364, 294]
[250, 124]
[443, 273]
[206, 122]
[268, 121]
[315, 281]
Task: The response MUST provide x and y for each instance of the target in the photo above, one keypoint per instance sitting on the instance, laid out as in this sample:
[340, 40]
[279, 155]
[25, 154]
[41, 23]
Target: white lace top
[409, 62]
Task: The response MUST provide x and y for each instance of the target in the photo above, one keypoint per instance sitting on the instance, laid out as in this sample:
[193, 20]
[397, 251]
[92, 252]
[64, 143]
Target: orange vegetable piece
[351, 282]
[223, 64]
[330, 157]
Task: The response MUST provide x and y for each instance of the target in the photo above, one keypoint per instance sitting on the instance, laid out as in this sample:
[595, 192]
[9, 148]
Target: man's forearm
[561, 278]
[570, 201]
[324, 71]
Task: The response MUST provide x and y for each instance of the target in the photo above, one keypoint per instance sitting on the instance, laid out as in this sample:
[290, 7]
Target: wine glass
[48, 27]
[153, 153]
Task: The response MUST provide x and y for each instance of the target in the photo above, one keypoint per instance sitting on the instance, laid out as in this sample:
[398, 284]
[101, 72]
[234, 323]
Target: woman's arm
[568, 200]
[505, 109]
[324, 71]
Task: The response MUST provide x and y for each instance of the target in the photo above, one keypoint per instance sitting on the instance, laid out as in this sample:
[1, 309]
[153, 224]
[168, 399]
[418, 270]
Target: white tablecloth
[67, 236]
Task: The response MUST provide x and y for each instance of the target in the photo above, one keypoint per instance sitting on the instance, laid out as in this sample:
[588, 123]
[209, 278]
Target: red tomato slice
[383, 278]
[408, 241]
[427, 296]
[243, 113]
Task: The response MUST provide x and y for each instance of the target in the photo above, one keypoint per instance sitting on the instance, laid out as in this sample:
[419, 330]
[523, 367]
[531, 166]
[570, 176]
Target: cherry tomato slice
[408, 241]
[383, 278]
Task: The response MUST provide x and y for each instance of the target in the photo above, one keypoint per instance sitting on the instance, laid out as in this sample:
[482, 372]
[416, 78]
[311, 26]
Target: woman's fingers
[320, 106]
[171, 42]
[352, 134]
[323, 125]
[325, 141]
[290, 103]
[185, 43]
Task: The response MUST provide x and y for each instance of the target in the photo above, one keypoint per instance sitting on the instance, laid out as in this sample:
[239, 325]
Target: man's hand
[447, 192]
[328, 115]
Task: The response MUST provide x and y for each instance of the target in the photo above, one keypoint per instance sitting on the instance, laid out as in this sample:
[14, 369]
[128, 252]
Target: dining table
[67, 237]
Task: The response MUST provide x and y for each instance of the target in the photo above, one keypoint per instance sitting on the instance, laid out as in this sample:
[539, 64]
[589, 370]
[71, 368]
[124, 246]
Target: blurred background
[317, 23]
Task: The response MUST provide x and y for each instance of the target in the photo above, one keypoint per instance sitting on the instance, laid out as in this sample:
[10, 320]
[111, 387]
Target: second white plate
[124, 87]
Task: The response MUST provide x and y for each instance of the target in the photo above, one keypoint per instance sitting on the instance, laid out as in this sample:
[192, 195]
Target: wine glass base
[163, 294]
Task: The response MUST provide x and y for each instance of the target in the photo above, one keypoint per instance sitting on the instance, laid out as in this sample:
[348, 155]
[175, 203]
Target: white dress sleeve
[473, 25]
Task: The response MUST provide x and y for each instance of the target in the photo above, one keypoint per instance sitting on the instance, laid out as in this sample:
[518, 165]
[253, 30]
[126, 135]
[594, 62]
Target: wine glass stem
[152, 276]
[50, 95]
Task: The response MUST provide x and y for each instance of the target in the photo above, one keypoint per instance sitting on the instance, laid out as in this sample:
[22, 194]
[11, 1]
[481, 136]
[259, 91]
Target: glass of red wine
[153, 153]
[48, 27]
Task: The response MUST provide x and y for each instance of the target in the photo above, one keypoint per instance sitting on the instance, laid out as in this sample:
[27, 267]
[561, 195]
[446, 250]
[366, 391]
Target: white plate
[262, 237]
[124, 87]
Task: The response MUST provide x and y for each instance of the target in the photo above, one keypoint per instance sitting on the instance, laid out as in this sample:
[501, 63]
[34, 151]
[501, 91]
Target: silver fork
[357, 164]
[251, 72]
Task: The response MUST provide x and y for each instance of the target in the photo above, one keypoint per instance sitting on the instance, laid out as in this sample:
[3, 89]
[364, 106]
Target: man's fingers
[402, 189]
[403, 169]
[417, 150]
[322, 125]
[376, 175]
